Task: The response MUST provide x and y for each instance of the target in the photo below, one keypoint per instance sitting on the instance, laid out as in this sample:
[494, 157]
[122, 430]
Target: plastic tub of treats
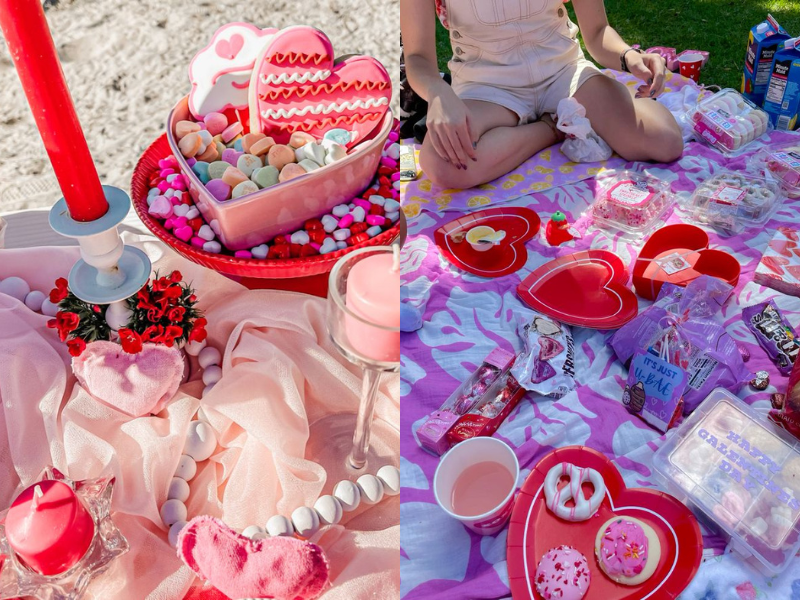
[728, 121]
[782, 163]
[731, 202]
[738, 470]
[631, 203]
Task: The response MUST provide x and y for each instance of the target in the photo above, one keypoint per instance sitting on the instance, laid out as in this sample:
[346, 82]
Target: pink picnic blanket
[280, 373]
[546, 170]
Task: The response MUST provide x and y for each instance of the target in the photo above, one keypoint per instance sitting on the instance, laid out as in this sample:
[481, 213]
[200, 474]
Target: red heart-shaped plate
[689, 244]
[534, 530]
[520, 224]
[587, 289]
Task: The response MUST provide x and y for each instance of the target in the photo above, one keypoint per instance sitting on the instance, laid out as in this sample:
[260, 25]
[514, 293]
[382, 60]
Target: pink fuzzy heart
[281, 568]
[136, 384]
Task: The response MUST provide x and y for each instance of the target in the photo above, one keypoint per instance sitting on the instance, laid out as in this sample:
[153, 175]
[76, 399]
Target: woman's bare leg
[502, 145]
[636, 129]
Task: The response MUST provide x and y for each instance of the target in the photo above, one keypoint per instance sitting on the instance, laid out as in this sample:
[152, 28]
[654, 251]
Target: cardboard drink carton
[783, 91]
[764, 40]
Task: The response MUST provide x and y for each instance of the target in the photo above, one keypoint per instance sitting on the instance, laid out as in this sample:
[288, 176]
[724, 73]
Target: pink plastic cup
[464, 455]
[690, 65]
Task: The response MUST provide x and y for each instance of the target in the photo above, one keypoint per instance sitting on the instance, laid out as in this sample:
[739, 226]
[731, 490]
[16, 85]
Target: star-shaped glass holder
[18, 580]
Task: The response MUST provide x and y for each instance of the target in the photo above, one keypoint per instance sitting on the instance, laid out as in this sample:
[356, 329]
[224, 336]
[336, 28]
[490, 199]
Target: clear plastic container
[740, 471]
[731, 202]
[781, 162]
[631, 202]
[728, 121]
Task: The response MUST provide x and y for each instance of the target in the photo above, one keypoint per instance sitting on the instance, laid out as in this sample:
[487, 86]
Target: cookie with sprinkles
[627, 550]
[562, 574]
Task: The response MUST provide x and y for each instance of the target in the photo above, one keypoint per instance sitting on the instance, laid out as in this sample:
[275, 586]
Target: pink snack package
[779, 268]
[432, 434]
[788, 416]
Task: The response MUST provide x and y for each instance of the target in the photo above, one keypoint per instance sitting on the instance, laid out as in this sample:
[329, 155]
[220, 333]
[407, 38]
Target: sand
[126, 64]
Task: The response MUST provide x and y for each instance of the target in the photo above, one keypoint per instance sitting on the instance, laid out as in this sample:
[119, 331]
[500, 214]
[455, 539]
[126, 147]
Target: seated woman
[513, 61]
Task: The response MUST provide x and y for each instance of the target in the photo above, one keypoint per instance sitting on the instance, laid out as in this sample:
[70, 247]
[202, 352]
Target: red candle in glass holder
[31, 47]
[49, 528]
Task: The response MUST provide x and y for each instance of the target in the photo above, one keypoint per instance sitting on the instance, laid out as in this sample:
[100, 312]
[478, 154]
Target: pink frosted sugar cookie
[562, 574]
[627, 550]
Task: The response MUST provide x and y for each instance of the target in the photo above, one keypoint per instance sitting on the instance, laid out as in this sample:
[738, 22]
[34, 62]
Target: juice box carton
[764, 40]
[782, 102]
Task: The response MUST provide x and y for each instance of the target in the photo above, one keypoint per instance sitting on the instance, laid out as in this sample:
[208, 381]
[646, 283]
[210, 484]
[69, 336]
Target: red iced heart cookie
[587, 289]
[509, 255]
[137, 384]
[774, 263]
[297, 86]
[549, 348]
[534, 530]
[679, 254]
[278, 567]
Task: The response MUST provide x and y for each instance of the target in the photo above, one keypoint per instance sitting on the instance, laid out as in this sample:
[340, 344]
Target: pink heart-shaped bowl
[276, 567]
[256, 218]
[136, 384]
[266, 269]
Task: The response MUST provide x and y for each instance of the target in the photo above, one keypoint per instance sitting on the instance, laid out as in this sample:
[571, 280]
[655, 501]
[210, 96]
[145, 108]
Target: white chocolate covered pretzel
[557, 498]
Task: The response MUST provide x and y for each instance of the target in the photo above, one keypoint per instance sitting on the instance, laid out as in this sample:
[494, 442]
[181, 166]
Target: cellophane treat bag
[686, 318]
[789, 414]
[546, 364]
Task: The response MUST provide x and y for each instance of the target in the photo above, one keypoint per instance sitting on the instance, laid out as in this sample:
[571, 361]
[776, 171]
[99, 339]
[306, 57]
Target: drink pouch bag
[774, 334]
[698, 343]
[546, 364]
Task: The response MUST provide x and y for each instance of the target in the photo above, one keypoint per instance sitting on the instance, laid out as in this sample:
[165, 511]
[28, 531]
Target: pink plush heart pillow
[137, 384]
[282, 568]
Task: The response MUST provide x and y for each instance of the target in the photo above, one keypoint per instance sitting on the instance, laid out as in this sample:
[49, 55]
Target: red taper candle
[31, 46]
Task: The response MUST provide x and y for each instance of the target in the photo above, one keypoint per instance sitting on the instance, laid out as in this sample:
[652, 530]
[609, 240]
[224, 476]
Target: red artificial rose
[192, 298]
[160, 284]
[201, 322]
[175, 277]
[174, 291]
[60, 292]
[155, 314]
[130, 340]
[171, 334]
[176, 314]
[198, 333]
[97, 309]
[76, 346]
[65, 323]
[154, 334]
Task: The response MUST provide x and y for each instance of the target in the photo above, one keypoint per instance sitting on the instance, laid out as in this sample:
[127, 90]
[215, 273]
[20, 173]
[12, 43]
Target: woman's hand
[449, 128]
[651, 69]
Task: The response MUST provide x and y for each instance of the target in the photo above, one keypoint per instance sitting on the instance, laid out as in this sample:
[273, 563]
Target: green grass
[719, 26]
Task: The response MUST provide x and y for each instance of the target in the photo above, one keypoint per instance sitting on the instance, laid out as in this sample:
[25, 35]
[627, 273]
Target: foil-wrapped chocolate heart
[760, 381]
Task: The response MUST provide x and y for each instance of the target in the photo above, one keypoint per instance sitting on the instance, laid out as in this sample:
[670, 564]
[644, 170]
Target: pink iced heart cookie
[220, 73]
[136, 384]
[279, 567]
[297, 86]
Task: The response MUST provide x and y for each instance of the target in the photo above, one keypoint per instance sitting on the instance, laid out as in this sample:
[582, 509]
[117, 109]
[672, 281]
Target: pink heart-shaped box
[136, 384]
[253, 219]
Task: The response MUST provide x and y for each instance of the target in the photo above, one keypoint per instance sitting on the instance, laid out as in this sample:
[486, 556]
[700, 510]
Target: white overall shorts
[520, 54]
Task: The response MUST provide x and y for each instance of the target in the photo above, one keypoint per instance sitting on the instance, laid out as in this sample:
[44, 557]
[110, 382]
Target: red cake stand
[308, 275]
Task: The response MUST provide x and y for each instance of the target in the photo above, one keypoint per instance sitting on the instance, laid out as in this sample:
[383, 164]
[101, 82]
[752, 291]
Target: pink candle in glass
[373, 293]
[49, 528]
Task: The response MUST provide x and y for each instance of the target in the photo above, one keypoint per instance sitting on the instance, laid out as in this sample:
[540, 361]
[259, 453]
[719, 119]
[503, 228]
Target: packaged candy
[546, 364]
[655, 388]
[630, 202]
[733, 467]
[780, 265]
[486, 416]
[765, 39]
[728, 121]
[782, 101]
[732, 202]
[774, 334]
[432, 434]
[786, 407]
[685, 319]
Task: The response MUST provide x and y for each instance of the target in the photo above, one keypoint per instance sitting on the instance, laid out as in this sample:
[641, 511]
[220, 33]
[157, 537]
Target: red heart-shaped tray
[520, 224]
[587, 289]
[534, 530]
[691, 244]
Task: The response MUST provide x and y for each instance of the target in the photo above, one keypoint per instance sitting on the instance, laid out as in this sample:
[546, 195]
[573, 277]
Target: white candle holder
[108, 271]
[17, 580]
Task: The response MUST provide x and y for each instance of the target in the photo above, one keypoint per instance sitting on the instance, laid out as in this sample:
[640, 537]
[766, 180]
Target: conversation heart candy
[266, 176]
[233, 176]
[161, 207]
[184, 233]
[340, 210]
[206, 233]
[215, 122]
[184, 128]
[308, 165]
[217, 169]
[248, 163]
[337, 136]
[251, 138]
[262, 146]
[280, 155]
[335, 152]
[244, 188]
[329, 245]
[298, 139]
[219, 189]
[291, 171]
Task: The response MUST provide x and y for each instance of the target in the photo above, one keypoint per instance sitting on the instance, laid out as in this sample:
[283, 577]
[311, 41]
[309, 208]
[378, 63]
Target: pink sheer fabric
[281, 373]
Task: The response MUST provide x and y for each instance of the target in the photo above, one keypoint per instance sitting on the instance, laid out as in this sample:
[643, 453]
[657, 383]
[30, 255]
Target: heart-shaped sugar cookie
[297, 86]
[277, 567]
[136, 384]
